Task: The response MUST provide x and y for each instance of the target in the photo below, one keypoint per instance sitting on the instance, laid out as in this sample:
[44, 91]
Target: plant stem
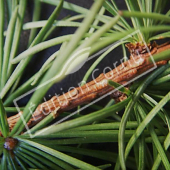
[2, 20]
[8, 45]
[17, 33]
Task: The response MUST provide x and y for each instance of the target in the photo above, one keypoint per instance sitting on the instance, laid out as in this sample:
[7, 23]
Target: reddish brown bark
[96, 88]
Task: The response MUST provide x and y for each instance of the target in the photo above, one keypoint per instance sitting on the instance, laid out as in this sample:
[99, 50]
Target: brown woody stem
[125, 72]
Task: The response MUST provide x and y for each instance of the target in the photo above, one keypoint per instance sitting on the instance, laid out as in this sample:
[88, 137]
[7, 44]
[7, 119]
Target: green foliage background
[141, 134]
